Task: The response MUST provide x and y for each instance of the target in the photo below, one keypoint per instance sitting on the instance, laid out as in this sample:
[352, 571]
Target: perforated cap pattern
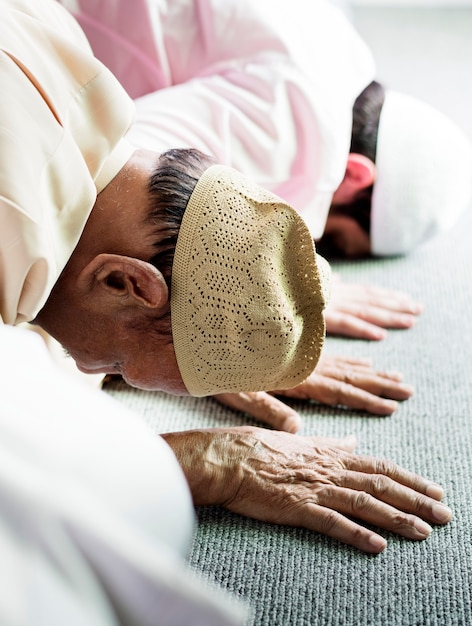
[247, 295]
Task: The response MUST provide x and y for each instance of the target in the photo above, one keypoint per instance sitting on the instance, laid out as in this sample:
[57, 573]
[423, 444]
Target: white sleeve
[95, 513]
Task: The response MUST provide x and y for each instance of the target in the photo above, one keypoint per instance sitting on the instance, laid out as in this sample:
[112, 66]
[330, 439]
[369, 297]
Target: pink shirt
[265, 86]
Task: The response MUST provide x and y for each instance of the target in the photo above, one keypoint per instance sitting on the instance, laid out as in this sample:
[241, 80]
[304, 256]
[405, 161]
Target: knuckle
[362, 501]
[380, 485]
[357, 535]
[385, 467]
[418, 503]
[329, 522]
[401, 520]
[350, 377]
[341, 392]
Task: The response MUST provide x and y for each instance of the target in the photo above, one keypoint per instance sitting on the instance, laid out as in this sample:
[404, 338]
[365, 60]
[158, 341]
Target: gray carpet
[295, 577]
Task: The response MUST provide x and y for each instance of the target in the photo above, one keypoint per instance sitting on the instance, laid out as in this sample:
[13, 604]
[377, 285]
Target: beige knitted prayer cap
[248, 290]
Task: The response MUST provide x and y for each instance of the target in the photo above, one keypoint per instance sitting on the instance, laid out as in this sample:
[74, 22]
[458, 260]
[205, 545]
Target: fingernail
[292, 424]
[435, 491]
[350, 440]
[408, 320]
[423, 528]
[441, 513]
[377, 542]
[391, 405]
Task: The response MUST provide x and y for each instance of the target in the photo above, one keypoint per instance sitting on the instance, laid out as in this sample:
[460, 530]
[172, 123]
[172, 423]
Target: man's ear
[360, 171]
[126, 280]
[360, 174]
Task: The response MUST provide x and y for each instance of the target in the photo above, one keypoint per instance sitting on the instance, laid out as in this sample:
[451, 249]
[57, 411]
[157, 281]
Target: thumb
[264, 407]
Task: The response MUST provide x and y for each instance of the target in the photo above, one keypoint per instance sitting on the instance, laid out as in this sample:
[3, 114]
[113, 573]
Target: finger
[338, 393]
[363, 506]
[264, 407]
[396, 301]
[404, 498]
[331, 523]
[346, 325]
[377, 296]
[345, 394]
[379, 316]
[371, 465]
[337, 359]
[340, 369]
[378, 384]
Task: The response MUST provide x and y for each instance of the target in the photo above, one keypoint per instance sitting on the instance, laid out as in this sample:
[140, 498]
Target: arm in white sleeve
[95, 513]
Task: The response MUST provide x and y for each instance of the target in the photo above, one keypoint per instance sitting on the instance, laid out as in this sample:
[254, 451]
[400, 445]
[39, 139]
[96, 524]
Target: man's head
[178, 250]
[408, 177]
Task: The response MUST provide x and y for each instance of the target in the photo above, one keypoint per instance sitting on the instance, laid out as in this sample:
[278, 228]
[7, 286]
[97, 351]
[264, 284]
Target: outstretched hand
[309, 482]
[365, 312]
[336, 381]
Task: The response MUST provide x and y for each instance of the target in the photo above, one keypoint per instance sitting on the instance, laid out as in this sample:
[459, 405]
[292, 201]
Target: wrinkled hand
[309, 482]
[336, 381]
[364, 312]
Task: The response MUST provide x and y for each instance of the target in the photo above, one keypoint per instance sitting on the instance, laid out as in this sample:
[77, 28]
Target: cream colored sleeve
[63, 119]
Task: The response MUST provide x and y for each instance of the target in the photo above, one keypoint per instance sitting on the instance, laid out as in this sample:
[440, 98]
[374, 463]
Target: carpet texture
[291, 576]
